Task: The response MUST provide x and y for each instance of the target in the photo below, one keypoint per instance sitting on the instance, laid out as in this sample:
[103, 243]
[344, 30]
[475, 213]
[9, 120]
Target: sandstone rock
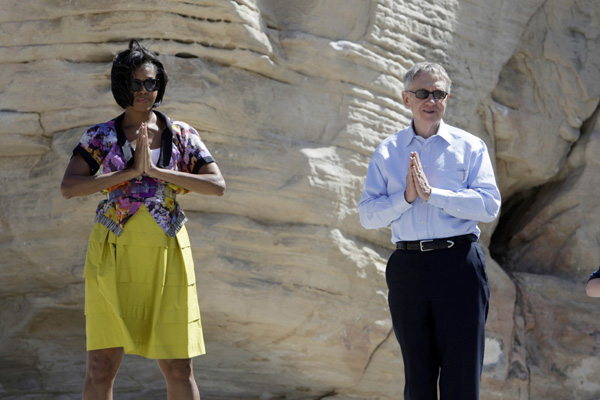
[562, 337]
[545, 87]
[558, 235]
[292, 98]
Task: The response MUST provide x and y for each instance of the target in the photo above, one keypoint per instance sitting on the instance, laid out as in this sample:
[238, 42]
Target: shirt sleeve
[595, 274]
[92, 147]
[480, 201]
[378, 208]
[194, 152]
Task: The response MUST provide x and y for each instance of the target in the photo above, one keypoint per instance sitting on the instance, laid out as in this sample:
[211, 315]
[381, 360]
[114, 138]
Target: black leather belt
[436, 244]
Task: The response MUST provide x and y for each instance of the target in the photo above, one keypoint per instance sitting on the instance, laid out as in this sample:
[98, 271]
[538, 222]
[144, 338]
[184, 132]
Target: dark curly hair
[121, 74]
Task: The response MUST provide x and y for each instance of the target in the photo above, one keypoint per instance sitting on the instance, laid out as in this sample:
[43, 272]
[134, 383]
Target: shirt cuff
[399, 202]
[437, 198]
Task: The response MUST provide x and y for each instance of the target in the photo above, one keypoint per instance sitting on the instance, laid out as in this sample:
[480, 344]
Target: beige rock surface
[292, 98]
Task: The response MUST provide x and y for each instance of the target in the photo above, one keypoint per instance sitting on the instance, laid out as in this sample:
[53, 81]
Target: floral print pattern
[104, 147]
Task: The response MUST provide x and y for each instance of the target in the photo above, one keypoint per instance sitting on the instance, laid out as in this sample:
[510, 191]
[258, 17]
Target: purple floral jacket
[104, 146]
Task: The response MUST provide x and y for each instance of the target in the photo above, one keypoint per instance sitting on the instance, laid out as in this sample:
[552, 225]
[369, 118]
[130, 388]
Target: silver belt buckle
[423, 241]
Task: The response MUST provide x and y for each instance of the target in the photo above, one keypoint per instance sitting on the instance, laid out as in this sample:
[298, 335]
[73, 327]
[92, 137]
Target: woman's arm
[78, 179]
[208, 180]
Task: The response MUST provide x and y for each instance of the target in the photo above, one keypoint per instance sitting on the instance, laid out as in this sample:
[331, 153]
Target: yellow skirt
[140, 291]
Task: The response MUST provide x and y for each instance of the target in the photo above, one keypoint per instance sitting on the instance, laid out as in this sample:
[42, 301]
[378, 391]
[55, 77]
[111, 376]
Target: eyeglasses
[149, 84]
[424, 94]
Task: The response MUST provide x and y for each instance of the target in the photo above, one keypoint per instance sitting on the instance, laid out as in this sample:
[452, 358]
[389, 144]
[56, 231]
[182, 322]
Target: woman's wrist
[130, 173]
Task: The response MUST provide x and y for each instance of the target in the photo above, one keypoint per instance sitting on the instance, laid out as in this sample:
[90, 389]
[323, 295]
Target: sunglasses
[424, 94]
[149, 84]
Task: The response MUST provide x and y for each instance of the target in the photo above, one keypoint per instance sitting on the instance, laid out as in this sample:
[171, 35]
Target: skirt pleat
[140, 291]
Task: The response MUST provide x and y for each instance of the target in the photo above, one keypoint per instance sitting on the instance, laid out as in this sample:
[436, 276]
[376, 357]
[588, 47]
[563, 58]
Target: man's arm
[480, 201]
[592, 288]
[377, 208]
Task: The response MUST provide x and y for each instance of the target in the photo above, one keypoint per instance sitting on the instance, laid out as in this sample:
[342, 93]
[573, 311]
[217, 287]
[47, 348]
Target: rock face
[292, 98]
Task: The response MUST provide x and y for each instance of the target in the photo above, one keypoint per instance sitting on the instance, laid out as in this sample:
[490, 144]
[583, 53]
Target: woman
[139, 275]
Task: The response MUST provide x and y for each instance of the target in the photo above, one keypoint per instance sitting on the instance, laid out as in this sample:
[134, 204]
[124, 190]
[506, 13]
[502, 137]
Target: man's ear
[405, 98]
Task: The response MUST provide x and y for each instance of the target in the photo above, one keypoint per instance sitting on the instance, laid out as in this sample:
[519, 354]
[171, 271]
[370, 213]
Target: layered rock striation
[291, 98]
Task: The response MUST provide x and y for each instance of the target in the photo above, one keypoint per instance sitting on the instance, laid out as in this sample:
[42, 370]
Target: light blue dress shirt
[459, 170]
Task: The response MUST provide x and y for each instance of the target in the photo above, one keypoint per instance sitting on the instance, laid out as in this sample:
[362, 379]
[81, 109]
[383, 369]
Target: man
[592, 287]
[433, 182]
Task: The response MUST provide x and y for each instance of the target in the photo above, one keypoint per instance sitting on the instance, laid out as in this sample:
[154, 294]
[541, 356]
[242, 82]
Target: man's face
[426, 111]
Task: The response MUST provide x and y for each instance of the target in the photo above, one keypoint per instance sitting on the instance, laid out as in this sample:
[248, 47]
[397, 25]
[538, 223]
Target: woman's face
[143, 99]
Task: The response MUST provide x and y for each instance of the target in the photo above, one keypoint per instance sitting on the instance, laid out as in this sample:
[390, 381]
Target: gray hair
[431, 68]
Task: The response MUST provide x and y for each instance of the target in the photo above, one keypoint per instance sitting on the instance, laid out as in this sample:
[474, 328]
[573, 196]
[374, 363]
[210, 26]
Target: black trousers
[439, 304]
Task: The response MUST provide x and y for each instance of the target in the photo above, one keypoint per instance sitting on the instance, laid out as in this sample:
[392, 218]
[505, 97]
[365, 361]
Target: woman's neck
[134, 118]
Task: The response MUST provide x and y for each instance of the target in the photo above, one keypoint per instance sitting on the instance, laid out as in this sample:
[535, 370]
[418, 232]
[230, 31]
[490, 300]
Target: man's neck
[426, 131]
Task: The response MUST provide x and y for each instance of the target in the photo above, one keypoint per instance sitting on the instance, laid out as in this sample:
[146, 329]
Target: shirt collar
[441, 132]
[166, 145]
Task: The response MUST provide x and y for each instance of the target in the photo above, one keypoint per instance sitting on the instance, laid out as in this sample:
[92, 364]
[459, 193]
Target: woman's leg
[179, 375]
[101, 369]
